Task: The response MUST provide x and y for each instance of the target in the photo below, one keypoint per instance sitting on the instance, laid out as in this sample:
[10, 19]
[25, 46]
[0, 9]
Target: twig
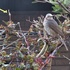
[63, 43]
[60, 4]
[42, 50]
[36, 1]
[34, 23]
[9, 15]
[50, 56]
[58, 20]
[66, 57]
[9, 45]
[29, 20]
[44, 1]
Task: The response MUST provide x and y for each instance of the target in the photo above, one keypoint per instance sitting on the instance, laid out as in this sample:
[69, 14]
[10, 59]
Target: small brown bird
[52, 28]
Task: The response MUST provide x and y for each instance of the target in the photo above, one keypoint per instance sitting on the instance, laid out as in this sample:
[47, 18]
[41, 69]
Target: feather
[55, 27]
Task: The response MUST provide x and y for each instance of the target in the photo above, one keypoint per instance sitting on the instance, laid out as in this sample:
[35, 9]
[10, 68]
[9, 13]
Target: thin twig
[66, 57]
[64, 43]
[60, 4]
[9, 45]
[42, 50]
[50, 56]
[58, 20]
[44, 1]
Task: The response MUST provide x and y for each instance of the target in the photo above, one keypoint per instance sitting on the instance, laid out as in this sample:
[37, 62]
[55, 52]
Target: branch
[48, 59]
[36, 1]
[9, 44]
[44, 1]
[63, 42]
[35, 23]
[66, 57]
[29, 21]
[42, 50]
[60, 4]
[52, 2]
[58, 20]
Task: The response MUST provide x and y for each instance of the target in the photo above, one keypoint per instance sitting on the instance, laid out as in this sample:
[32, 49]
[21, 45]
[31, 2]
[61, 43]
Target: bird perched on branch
[52, 28]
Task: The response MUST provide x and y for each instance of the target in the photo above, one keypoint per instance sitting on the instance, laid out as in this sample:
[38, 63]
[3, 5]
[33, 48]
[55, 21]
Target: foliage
[31, 52]
[59, 6]
[67, 2]
[20, 51]
[4, 11]
[29, 49]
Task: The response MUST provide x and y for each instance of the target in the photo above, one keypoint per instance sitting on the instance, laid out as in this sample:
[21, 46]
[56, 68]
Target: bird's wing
[55, 27]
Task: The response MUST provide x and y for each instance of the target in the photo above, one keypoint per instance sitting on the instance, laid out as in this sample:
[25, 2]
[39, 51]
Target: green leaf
[17, 69]
[5, 22]
[22, 65]
[57, 9]
[67, 2]
[20, 54]
[31, 60]
[27, 66]
[35, 66]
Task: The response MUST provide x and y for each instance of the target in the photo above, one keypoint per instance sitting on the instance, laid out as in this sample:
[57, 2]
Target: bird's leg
[63, 43]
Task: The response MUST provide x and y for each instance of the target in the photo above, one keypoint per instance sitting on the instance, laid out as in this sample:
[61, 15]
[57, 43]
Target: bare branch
[63, 42]
[66, 57]
[36, 23]
[52, 2]
[42, 50]
[29, 20]
[44, 1]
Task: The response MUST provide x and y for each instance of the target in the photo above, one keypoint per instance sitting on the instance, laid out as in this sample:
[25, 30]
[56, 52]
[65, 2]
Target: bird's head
[49, 16]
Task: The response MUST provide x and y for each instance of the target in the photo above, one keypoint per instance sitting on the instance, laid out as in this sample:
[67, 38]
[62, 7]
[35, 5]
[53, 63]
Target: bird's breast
[49, 30]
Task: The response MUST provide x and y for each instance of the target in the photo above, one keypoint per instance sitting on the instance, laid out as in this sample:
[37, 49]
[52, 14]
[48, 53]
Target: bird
[52, 28]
